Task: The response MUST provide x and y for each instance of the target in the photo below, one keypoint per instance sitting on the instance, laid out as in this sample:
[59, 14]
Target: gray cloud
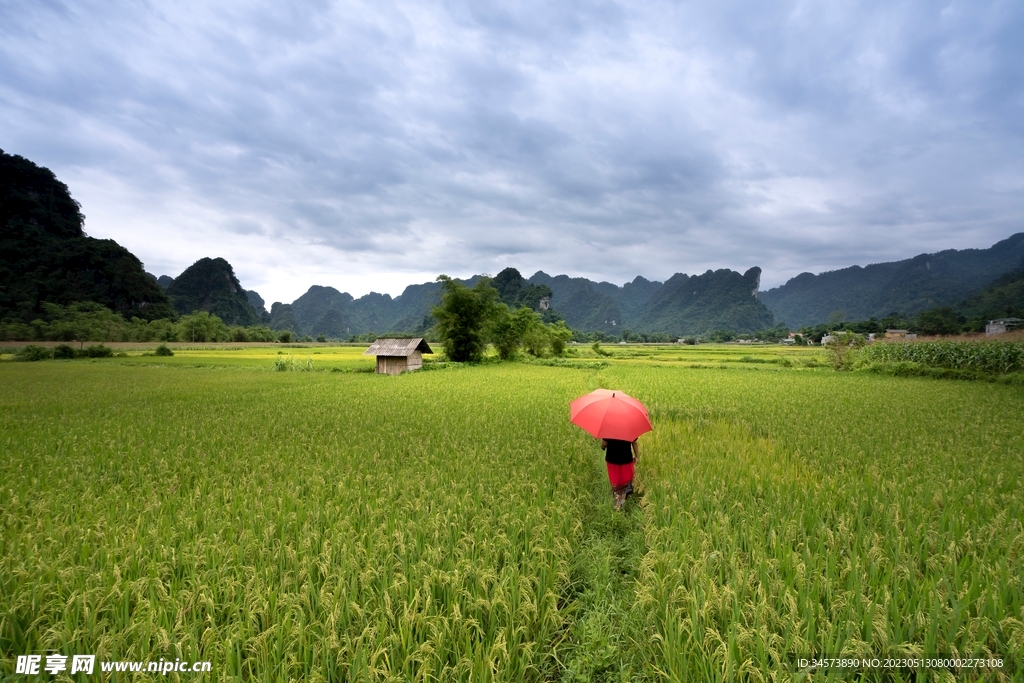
[370, 145]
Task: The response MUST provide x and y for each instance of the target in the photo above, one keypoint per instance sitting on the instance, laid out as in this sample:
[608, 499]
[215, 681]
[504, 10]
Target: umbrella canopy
[609, 414]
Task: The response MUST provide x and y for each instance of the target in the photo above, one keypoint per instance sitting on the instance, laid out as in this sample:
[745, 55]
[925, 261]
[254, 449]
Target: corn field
[453, 526]
[989, 357]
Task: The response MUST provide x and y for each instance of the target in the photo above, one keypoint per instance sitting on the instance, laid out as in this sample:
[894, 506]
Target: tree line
[468, 319]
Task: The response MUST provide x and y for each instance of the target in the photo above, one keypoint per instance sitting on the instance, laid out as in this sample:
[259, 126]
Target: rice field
[452, 525]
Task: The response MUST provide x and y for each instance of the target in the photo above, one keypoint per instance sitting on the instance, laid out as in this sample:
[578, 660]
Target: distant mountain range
[47, 258]
[722, 299]
[977, 282]
[905, 287]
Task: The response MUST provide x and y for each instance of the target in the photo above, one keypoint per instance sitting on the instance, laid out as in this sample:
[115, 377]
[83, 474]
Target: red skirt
[620, 475]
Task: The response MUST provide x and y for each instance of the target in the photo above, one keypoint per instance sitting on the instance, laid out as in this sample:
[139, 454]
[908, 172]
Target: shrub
[285, 337]
[97, 351]
[33, 353]
[286, 363]
[163, 350]
[64, 351]
[839, 349]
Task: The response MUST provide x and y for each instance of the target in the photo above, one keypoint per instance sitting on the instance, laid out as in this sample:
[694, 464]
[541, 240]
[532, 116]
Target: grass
[451, 525]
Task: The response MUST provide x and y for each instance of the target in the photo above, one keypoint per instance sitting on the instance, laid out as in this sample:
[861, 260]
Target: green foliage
[516, 292]
[33, 353]
[722, 299]
[1003, 298]
[464, 316]
[64, 351]
[938, 321]
[987, 357]
[285, 337]
[908, 287]
[524, 328]
[814, 333]
[46, 256]
[720, 336]
[97, 351]
[508, 329]
[81, 321]
[88, 321]
[163, 350]
[201, 326]
[773, 335]
[260, 333]
[645, 338]
[559, 335]
[209, 285]
[596, 347]
[283, 318]
[839, 350]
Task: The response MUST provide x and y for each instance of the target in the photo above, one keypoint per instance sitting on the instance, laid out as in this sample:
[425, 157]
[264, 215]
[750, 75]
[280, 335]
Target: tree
[938, 321]
[464, 316]
[560, 335]
[839, 349]
[508, 329]
[200, 326]
[536, 338]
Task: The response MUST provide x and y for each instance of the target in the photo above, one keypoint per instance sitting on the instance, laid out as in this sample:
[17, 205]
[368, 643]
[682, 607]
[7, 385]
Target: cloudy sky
[373, 145]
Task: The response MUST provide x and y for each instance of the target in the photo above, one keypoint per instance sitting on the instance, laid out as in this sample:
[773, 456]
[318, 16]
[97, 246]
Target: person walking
[618, 420]
[621, 458]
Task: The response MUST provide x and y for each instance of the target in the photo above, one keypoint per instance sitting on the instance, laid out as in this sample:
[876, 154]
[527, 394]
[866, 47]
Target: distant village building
[1003, 325]
[395, 356]
[896, 334]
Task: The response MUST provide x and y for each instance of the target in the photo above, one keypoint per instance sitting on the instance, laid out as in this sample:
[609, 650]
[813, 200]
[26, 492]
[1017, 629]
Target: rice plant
[452, 525]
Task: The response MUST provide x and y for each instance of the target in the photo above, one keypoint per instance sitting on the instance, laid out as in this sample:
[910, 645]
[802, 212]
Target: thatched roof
[397, 347]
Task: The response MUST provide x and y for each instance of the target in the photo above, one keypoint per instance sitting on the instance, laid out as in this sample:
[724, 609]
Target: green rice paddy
[451, 524]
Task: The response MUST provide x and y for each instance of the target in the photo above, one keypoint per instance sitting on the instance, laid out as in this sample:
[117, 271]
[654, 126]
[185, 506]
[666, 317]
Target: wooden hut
[395, 356]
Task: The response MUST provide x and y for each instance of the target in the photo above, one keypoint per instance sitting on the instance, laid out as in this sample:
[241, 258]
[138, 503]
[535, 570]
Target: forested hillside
[717, 300]
[684, 305]
[46, 257]
[904, 287]
[1003, 298]
[210, 285]
[326, 311]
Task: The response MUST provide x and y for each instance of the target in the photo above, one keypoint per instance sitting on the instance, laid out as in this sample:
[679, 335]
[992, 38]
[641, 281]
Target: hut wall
[415, 361]
[391, 365]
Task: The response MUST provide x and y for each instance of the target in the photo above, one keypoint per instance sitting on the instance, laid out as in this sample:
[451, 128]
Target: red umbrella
[609, 414]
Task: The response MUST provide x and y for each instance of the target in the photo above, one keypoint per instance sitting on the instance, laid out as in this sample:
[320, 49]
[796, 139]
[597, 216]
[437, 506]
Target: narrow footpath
[606, 639]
